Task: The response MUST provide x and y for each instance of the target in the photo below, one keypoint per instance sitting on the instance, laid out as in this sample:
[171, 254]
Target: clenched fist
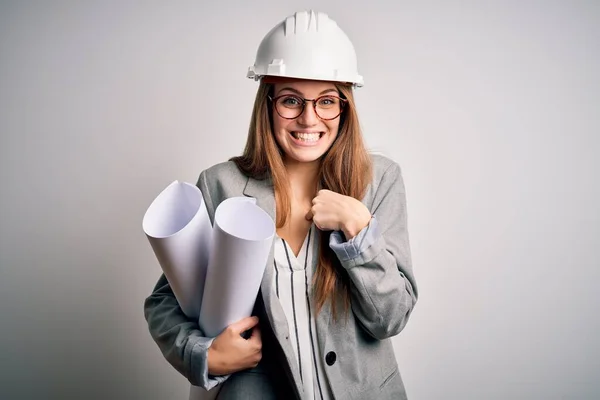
[332, 211]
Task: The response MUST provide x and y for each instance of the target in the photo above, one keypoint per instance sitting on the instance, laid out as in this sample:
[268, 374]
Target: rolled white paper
[179, 230]
[242, 237]
[214, 272]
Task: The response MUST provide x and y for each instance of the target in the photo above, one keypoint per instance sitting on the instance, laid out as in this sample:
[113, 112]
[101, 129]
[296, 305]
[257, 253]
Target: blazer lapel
[263, 192]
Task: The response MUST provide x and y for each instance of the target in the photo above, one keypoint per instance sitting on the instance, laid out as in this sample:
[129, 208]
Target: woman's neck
[303, 178]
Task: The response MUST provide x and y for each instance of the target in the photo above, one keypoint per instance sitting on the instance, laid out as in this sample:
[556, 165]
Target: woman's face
[307, 137]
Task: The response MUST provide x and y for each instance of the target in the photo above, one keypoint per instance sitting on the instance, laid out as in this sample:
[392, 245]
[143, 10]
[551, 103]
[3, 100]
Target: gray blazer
[358, 350]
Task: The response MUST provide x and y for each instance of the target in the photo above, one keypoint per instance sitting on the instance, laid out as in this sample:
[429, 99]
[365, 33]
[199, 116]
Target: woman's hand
[332, 211]
[230, 352]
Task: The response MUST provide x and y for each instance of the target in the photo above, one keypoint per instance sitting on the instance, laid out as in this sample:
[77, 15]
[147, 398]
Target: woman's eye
[327, 101]
[291, 101]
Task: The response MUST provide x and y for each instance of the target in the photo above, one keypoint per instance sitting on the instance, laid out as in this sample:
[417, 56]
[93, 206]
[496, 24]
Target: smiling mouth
[307, 137]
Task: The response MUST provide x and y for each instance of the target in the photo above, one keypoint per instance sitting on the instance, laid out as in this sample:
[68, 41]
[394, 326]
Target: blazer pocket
[389, 378]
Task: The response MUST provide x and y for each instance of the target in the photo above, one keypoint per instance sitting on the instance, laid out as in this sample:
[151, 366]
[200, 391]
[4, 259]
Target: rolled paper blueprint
[242, 237]
[179, 230]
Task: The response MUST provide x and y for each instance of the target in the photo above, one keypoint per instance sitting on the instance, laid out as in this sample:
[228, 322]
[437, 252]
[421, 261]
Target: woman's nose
[308, 117]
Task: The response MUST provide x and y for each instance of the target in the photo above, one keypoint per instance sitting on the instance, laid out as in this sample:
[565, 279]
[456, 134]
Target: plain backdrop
[492, 109]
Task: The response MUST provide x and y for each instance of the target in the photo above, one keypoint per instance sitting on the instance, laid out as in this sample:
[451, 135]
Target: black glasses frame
[304, 101]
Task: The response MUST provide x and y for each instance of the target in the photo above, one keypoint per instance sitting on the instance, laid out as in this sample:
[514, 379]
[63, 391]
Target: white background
[490, 107]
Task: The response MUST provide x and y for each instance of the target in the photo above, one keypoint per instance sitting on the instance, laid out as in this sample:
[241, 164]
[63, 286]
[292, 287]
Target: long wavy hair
[345, 168]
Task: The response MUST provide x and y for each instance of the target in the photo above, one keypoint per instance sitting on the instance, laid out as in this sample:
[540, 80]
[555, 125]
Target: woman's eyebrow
[328, 90]
[299, 93]
[290, 89]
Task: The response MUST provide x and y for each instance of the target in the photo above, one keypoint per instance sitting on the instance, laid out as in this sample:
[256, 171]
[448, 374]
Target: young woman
[339, 282]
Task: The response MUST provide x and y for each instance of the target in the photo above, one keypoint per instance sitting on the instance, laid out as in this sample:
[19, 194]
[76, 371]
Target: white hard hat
[307, 45]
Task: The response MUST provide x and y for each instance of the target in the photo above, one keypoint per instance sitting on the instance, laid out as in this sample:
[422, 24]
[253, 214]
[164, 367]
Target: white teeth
[307, 137]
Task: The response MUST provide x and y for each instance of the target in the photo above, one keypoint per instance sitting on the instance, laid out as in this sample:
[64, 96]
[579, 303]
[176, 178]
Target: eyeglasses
[326, 107]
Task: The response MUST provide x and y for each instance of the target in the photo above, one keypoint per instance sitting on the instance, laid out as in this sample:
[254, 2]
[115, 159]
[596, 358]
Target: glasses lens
[289, 106]
[328, 107]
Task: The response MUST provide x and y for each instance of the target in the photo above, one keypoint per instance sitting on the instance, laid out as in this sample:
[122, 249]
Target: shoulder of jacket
[226, 171]
[222, 168]
[383, 164]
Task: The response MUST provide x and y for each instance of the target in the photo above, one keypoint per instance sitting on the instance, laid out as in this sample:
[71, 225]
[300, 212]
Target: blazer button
[330, 358]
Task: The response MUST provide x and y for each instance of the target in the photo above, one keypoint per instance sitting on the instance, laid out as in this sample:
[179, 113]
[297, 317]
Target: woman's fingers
[256, 337]
[256, 342]
[243, 325]
[309, 215]
[230, 352]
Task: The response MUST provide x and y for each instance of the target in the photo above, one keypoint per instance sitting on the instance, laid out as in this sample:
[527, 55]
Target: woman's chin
[304, 156]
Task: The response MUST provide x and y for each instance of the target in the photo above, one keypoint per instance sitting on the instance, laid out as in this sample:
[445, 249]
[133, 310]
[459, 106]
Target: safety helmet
[307, 45]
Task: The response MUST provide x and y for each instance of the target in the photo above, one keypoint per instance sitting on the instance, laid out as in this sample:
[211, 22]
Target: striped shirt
[293, 277]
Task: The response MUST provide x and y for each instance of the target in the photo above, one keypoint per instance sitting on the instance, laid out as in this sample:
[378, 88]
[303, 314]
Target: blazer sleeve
[179, 338]
[378, 261]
